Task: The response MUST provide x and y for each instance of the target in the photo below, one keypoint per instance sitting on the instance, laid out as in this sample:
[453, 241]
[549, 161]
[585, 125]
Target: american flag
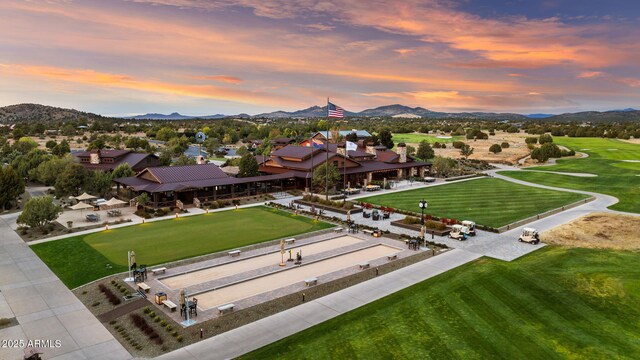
[334, 111]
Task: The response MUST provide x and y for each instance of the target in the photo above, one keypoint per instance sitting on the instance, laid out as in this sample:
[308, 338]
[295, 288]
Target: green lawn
[556, 303]
[489, 201]
[84, 258]
[615, 177]
[415, 138]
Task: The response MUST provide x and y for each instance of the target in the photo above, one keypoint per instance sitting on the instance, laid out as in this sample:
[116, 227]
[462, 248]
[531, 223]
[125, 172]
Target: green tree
[100, 183]
[25, 144]
[121, 171]
[443, 166]
[71, 180]
[466, 151]
[495, 148]
[11, 186]
[166, 134]
[184, 160]
[136, 143]
[97, 144]
[242, 151]
[425, 151]
[411, 151]
[325, 175]
[143, 199]
[61, 149]
[211, 145]
[39, 211]
[248, 166]
[51, 144]
[545, 138]
[386, 138]
[47, 172]
[540, 155]
[504, 145]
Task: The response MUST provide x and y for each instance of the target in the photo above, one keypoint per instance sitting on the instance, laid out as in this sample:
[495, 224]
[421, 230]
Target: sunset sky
[197, 57]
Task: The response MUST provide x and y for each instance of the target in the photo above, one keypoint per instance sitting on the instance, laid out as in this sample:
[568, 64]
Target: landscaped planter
[329, 208]
[416, 227]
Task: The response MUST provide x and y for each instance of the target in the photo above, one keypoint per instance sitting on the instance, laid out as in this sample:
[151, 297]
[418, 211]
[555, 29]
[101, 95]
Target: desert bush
[458, 144]
[504, 145]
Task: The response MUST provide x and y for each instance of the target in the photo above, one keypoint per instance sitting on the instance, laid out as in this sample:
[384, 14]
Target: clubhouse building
[290, 167]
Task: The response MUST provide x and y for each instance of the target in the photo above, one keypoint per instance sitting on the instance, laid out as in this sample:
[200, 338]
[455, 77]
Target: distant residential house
[279, 143]
[323, 135]
[107, 160]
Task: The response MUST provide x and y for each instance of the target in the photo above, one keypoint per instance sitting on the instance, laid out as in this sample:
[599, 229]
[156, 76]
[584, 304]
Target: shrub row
[113, 299]
[429, 224]
[318, 200]
[141, 323]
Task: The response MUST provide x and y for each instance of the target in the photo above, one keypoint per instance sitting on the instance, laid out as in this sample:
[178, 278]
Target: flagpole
[326, 165]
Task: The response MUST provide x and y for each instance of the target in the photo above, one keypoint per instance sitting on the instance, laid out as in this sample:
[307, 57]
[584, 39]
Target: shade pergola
[81, 206]
[114, 202]
[85, 196]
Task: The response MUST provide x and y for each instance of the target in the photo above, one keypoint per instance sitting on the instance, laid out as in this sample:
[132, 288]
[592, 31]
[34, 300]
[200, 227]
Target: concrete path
[46, 309]
[273, 328]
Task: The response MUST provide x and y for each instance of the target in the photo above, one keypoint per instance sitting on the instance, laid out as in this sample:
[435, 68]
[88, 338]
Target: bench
[158, 270]
[234, 253]
[364, 265]
[144, 287]
[392, 257]
[366, 231]
[170, 305]
[289, 241]
[225, 308]
[311, 281]
[338, 230]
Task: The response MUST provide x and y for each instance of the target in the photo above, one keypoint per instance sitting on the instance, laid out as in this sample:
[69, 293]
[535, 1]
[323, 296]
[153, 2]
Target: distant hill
[597, 116]
[173, 116]
[36, 112]
[539, 116]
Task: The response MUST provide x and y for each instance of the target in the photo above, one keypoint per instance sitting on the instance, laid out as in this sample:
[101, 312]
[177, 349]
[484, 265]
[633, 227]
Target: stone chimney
[200, 160]
[402, 151]
[370, 149]
[341, 149]
[94, 157]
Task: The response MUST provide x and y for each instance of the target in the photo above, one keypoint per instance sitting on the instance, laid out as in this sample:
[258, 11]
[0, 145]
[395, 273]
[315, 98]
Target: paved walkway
[46, 309]
[273, 328]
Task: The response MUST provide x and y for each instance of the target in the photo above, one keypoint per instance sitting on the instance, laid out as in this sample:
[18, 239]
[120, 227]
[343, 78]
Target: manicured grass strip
[168, 240]
[75, 262]
[414, 138]
[491, 202]
[556, 303]
[615, 177]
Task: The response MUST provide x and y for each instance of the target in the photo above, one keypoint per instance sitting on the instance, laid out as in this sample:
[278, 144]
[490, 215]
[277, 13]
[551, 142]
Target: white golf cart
[459, 232]
[471, 225]
[529, 235]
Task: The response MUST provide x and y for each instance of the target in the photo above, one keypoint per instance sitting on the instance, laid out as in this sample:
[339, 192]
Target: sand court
[257, 262]
[245, 289]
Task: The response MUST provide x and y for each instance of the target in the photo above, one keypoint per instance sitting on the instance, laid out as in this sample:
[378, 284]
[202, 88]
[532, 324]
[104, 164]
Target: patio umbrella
[348, 215]
[422, 231]
[85, 196]
[114, 202]
[132, 258]
[81, 206]
[182, 297]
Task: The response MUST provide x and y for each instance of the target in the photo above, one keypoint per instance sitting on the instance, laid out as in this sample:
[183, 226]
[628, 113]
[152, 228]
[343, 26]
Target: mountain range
[27, 112]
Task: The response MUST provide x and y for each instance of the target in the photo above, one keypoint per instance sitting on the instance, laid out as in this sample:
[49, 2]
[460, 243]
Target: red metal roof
[185, 173]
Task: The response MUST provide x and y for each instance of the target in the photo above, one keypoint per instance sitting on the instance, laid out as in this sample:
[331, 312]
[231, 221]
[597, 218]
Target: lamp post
[423, 205]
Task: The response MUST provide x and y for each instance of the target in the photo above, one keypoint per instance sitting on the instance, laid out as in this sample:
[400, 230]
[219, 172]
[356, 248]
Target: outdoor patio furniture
[366, 215]
[375, 215]
[225, 308]
[385, 215]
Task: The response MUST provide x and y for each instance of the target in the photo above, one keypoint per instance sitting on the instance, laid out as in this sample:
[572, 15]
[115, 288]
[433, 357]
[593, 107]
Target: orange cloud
[590, 74]
[92, 77]
[220, 78]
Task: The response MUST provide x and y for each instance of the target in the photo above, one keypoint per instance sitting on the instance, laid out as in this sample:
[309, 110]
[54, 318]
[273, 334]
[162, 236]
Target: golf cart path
[564, 173]
[265, 331]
